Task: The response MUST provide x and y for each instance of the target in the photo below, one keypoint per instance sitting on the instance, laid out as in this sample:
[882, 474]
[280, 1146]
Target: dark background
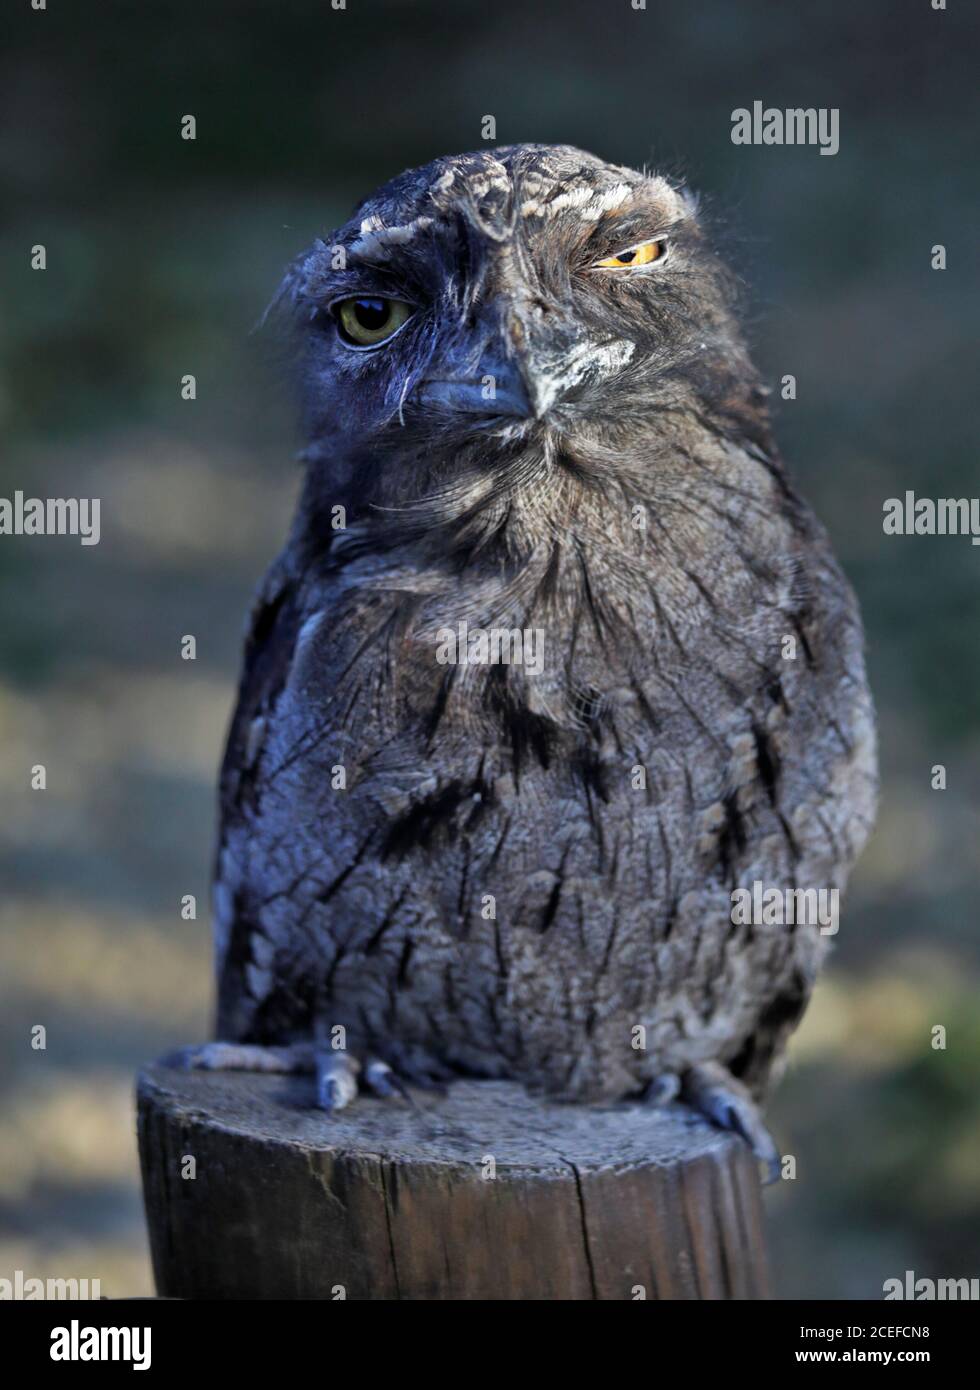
[162, 255]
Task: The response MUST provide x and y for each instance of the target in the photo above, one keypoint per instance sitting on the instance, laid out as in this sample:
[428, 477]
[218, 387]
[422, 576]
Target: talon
[380, 1078]
[385, 1082]
[399, 1085]
[711, 1089]
[333, 1095]
[336, 1077]
[662, 1089]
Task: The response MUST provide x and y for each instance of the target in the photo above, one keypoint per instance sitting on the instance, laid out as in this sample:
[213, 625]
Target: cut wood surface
[484, 1193]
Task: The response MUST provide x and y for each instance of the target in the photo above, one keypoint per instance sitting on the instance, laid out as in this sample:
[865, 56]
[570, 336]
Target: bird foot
[711, 1089]
[338, 1075]
[227, 1056]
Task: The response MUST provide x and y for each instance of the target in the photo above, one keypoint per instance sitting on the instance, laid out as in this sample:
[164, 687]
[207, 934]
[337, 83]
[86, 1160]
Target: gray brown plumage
[495, 891]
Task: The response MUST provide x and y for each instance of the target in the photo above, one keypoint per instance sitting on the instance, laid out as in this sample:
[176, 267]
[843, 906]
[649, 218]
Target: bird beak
[532, 360]
[498, 389]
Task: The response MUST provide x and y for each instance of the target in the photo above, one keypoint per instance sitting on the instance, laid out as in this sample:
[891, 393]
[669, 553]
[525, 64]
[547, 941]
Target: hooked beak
[530, 361]
[499, 389]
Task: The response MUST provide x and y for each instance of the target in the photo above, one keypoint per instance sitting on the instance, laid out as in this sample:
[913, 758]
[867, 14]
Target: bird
[554, 663]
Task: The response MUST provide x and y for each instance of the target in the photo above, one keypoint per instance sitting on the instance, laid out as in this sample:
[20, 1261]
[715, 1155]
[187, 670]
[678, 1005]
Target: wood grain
[388, 1200]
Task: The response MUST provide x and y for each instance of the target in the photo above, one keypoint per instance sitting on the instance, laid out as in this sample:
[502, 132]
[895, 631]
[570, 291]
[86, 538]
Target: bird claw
[711, 1089]
[662, 1089]
[384, 1082]
[336, 1080]
[338, 1075]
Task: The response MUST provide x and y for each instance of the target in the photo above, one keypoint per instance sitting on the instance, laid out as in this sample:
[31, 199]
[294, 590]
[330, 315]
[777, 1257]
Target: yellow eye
[635, 256]
[367, 321]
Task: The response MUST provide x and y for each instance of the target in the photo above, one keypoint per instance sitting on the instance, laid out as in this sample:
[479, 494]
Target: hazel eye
[645, 254]
[367, 321]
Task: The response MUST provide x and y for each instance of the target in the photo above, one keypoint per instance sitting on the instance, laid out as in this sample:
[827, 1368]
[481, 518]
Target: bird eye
[366, 321]
[645, 254]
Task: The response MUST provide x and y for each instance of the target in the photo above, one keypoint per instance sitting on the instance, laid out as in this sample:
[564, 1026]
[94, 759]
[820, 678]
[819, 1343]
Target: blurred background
[162, 255]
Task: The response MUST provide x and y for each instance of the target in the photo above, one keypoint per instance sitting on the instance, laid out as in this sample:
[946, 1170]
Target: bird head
[492, 317]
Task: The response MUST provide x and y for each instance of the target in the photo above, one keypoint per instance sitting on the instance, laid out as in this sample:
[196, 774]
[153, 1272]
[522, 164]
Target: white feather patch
[592, 205]
[379, 240]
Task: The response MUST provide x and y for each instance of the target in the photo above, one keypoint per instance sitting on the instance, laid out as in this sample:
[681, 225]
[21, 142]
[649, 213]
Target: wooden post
[484, 1193]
